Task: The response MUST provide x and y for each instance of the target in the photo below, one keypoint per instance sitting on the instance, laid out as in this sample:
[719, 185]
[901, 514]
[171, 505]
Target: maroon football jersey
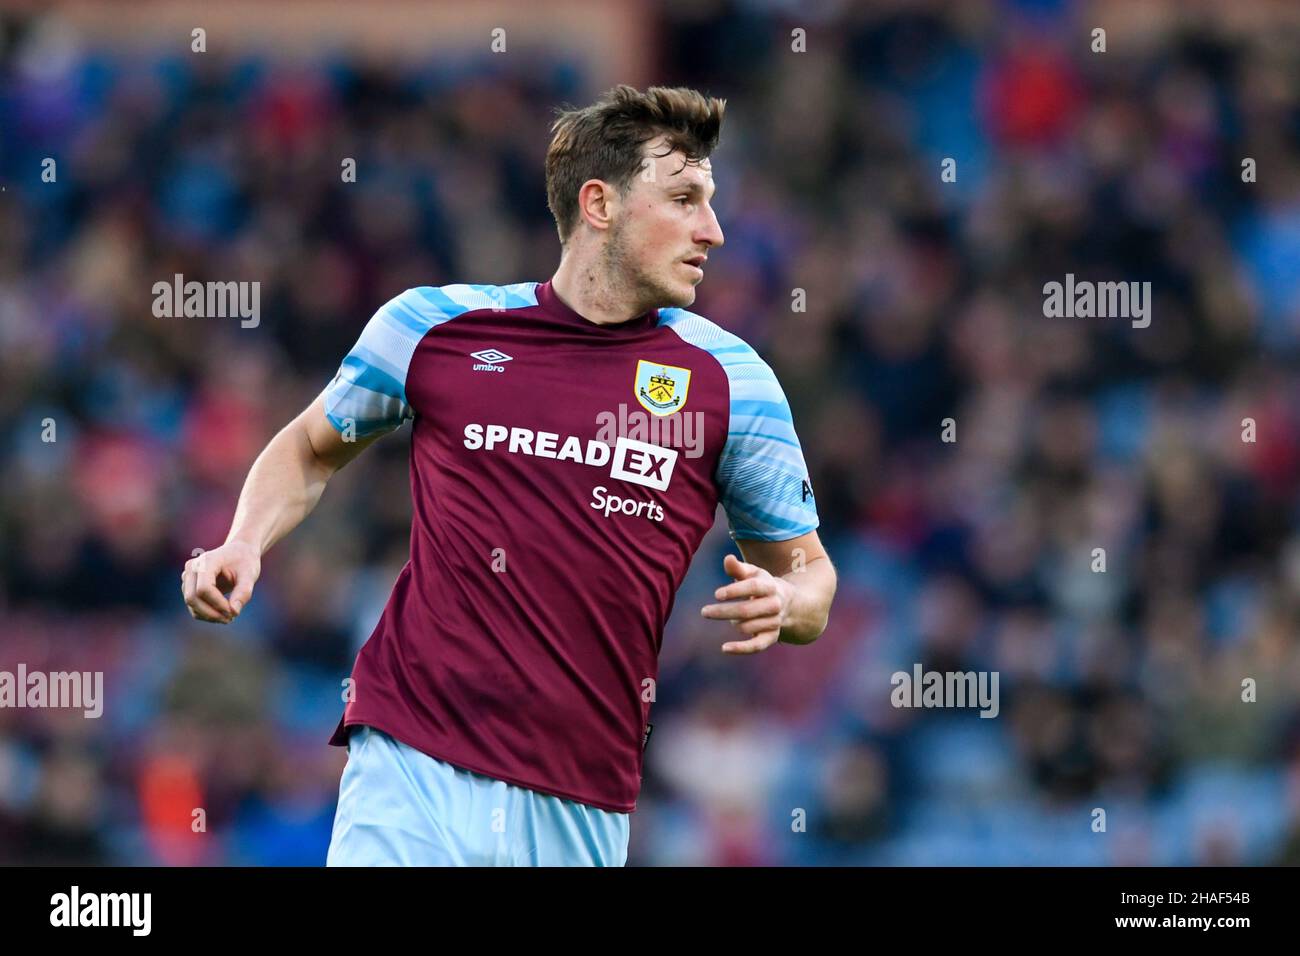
[563, 474]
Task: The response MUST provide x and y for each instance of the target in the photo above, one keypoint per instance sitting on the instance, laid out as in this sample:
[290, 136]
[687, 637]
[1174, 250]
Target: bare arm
[281, 489]
[288, 477]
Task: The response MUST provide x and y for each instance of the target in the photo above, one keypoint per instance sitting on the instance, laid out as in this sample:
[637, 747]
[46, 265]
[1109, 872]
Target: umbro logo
[489, 360]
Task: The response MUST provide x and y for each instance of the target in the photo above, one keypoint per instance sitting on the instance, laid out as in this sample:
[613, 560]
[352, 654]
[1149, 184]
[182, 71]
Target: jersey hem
[513, 781]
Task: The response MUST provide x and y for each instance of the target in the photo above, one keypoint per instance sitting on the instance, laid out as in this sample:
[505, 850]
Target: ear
[597, 203]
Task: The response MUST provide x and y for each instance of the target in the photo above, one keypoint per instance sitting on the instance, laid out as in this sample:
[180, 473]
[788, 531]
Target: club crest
[661, 389]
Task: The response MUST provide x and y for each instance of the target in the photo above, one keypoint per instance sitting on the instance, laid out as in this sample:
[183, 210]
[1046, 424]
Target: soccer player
[570, 443]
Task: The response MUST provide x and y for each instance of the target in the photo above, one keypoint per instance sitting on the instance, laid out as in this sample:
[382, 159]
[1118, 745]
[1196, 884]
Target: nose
[710, 231]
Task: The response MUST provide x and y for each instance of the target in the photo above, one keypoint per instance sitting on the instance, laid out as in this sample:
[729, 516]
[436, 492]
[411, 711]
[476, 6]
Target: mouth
[696, 263]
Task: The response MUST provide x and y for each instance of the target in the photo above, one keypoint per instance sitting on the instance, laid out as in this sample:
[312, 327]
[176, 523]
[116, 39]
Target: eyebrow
[693, 188]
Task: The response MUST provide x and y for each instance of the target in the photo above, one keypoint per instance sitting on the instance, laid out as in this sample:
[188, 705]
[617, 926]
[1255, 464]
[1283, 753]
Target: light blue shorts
[400, 807]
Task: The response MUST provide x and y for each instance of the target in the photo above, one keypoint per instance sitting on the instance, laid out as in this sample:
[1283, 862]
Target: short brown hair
[604, 140]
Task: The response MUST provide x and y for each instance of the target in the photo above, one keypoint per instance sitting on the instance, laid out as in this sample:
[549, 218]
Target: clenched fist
[230, 569]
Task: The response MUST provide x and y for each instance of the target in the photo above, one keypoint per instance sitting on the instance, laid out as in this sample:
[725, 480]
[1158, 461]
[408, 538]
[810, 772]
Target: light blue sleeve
[762, 478]
[369, 390]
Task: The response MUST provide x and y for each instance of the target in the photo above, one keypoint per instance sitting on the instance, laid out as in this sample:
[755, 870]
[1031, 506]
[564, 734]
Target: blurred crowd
[973, 548]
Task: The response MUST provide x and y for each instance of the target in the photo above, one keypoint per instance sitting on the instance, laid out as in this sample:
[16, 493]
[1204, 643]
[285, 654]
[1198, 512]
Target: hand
[234, 567]
[760, 612]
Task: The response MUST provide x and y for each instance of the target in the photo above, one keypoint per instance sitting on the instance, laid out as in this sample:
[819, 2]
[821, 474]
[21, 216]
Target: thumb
[242, 593]
[737, 568]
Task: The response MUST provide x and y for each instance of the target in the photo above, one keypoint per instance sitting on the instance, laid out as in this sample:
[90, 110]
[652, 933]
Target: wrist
[244, 543]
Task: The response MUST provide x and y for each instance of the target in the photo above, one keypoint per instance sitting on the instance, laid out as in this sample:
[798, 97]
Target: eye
[685, 199]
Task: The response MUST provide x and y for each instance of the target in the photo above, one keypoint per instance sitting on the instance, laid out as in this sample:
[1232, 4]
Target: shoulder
[727, 347]
[393, 333]
[429, 305]
[750, 377]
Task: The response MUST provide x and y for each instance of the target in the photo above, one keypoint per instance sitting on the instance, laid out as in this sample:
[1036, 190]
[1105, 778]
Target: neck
[589, 292]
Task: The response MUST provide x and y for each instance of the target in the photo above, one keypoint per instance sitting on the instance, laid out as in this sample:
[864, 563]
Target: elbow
[821, 614]
[808, 630]
[818, 627]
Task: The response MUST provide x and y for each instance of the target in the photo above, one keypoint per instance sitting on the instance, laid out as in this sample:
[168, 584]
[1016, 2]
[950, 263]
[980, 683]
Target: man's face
[664, 229]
